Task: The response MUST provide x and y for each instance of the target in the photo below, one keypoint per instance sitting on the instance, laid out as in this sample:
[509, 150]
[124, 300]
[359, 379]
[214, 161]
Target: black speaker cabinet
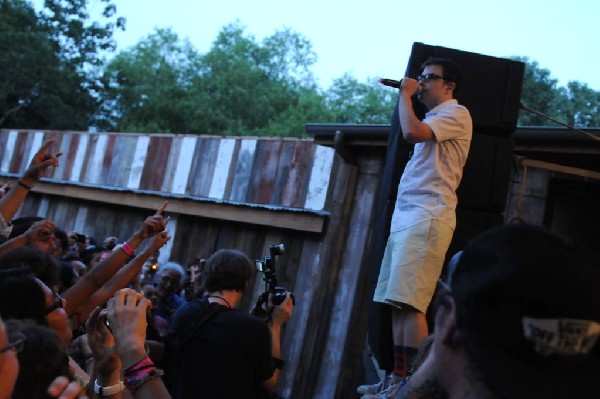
[486, 176]
[491, 87]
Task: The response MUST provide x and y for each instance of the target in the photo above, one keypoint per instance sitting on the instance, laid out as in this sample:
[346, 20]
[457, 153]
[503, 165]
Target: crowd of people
[517, 317]
[81, 317]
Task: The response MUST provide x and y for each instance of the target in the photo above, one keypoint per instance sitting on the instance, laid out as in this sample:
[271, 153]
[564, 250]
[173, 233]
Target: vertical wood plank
[201, 175]
[42, 210]
[66, 159]
[184, 164]
[319, 178]
[282, 171]
[123, 168]
[243, 170]
[171, 164]
[111, 157]
[138, 161]
[156, 163]
[95, 162]
[81, 149]
[296, 185]
[264, 171]
[18, 154]
[9, 141]
[81, 219]
[222, 169]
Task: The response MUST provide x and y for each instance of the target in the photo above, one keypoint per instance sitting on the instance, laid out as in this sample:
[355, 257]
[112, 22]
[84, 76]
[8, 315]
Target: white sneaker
[393, 388]
[381, 386]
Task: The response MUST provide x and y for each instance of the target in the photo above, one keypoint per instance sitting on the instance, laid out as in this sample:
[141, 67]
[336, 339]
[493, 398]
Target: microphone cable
[590, 135]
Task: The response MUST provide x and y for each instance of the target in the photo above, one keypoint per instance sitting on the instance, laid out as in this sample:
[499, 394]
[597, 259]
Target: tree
[360, 103]
[149, 88]
[240, 86]
[254, 85]
[583, 107]
[51, 62]
[575, 105]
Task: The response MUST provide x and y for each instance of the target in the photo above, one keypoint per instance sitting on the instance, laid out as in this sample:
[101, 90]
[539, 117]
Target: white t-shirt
[428, 185]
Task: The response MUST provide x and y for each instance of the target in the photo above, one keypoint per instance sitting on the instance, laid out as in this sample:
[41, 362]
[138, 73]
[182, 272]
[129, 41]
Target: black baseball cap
[528, 304]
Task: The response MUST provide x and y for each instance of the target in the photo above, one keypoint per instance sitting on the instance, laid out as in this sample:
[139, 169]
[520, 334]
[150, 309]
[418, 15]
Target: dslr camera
[267, 267]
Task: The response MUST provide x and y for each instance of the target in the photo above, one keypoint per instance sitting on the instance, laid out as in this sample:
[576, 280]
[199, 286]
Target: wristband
[109, 390]
[25, 186]
[134, 382]
[142, 364]
[278, 363]
[127, 249]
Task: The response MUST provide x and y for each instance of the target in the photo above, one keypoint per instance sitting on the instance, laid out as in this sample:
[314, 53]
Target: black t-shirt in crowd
[228, 356]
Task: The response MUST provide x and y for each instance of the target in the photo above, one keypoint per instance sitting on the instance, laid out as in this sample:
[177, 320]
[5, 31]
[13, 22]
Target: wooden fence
[227, 192]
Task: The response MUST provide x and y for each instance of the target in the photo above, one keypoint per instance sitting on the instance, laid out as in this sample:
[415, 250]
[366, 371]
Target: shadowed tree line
[60, 71]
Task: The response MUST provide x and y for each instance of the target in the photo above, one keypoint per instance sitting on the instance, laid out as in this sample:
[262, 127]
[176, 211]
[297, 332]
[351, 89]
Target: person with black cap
[519, 317]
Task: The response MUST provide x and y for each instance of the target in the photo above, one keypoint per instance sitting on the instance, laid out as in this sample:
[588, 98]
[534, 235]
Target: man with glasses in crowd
[424, 216]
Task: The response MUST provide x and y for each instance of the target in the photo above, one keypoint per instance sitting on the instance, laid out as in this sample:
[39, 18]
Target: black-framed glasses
[17, 345]
[57, 304]
[429, 77]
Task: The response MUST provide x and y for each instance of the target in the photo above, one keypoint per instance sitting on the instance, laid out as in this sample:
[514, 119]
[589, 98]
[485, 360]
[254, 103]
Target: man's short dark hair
[450, 70]
[227, 269]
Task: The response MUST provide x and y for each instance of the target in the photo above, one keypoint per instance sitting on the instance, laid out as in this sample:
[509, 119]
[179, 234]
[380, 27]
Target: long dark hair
[42, 359]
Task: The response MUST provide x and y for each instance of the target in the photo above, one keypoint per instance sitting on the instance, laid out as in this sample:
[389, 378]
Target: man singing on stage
[424, 215]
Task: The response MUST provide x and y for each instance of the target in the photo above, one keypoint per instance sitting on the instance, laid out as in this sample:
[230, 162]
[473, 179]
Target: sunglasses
[57, 304]
[17, 345]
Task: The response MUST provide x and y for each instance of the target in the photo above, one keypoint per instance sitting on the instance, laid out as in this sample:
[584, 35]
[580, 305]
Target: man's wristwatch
[109, 390]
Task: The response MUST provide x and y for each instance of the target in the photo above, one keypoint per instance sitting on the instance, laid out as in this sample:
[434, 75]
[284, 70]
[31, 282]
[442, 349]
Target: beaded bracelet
[134, 382]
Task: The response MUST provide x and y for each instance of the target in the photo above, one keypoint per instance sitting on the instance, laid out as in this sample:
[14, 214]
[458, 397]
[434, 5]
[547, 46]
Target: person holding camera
[214, 349]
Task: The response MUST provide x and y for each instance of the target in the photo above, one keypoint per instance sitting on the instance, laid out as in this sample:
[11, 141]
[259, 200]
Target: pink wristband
[127, 249]
[142, 364]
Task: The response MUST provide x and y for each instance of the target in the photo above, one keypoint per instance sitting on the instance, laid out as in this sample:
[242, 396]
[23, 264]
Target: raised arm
[40, 235]
[127, 316]
[281, 314]
[42, 160]
[120, 280]
[103, 271]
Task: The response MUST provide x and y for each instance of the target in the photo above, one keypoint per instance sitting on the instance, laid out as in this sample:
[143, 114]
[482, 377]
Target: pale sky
[373, 39]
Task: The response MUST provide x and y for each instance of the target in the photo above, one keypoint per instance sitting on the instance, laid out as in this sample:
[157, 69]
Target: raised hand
[159, 241]
[40, 163]
[102, 345]
[41, 232]
[154, 224]
[127, 317]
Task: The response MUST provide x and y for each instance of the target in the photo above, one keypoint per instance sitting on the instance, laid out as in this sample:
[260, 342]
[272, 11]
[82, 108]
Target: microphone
[391, 83]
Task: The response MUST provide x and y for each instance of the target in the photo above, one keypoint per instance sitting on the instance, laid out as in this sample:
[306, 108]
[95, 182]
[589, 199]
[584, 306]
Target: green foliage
[575, 105]
[148, 87]
[51, 62]
[360, 103]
